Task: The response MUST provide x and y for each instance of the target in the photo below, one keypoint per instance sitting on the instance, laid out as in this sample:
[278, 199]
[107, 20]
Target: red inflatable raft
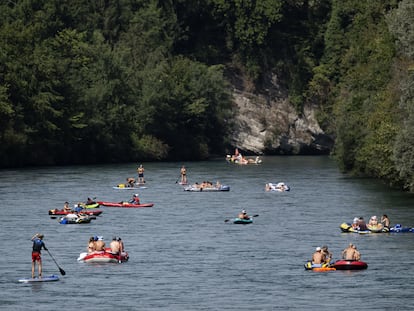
[103, 257]
[125, 204]
[349, 265]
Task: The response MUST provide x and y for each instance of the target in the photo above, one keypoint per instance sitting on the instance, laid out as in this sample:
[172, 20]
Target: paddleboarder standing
[140, 171]
[38, 244]
[183, 173]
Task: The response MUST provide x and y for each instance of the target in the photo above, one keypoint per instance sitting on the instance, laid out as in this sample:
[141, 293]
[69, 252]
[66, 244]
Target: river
[183, 256]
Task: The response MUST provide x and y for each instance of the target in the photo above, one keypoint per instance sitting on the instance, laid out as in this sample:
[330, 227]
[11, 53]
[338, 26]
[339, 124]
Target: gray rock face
[268, 124]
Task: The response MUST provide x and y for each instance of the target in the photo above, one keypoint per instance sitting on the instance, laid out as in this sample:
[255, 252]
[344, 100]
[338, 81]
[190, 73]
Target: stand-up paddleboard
[130, 188]
[49, 278]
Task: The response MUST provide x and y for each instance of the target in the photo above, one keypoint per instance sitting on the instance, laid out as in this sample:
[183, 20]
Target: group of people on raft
[238, 158]
[360, 224]
[323, 256]
[207, 184]
[96, 244]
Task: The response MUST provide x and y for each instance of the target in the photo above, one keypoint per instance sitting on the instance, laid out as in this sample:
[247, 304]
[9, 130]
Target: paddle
[227, 220]
[60, 269]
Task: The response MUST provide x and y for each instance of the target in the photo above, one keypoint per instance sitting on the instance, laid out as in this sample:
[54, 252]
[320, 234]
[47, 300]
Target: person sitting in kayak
[318, 256]
[66, 207]
[243, 215]
[89, 201]
[135, 199]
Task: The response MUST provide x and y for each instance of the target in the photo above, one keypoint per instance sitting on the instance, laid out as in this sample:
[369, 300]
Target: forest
[102, 81]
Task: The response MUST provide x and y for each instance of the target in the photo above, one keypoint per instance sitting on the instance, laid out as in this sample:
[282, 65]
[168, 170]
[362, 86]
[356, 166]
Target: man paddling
[36, 256]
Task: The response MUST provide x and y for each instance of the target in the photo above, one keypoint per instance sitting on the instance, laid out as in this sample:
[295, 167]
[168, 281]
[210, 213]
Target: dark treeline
[107, 81]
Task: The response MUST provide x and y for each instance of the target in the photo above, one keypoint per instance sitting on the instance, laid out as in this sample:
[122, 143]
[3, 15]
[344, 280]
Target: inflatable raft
[68, 220]
[103, 257]
[242, 221]
[349, 265]
[207, 189]
[318, 267]
[346, 227]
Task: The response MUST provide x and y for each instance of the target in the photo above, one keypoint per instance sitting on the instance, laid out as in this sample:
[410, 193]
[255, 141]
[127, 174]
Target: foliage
[100, 81]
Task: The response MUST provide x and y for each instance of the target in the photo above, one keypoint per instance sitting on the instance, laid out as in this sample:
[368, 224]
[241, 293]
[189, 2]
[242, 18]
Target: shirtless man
[100, 245]
[243, 215]
[349, 252]
[318, 257]
[114, 245]
[140, 171]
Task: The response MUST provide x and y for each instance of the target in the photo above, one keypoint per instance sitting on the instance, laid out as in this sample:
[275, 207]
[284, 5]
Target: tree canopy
[100, 81]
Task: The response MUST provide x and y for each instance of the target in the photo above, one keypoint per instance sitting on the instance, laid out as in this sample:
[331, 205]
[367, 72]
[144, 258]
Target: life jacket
[37, 245]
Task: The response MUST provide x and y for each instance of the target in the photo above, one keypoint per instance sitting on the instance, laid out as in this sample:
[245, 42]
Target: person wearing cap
[135, 199]
[349, 253]
[318, 257]
[243, 215]
[140, 171]
[38, 244]
[355, 224]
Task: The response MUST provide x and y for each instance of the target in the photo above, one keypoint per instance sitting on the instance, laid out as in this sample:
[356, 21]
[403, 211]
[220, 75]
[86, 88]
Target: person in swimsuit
[140, 171]
[91, 245]
[318, 256]
[183, 173]
[243, 215]
[38, 244]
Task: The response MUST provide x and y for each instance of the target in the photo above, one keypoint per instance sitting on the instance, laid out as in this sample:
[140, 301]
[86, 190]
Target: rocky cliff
[266, 123]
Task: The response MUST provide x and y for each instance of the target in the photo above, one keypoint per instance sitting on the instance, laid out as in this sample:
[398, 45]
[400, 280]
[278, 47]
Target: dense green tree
[401, 24]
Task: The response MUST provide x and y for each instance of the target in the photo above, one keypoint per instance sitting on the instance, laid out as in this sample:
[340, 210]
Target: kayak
[92, 205]
[128, 187]
[103, 257]
[242, 221]
[49, 278]
[96, 212]
[349, 265]
[125, 204]
[346, 227]
[318, 267]
[207, 189]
